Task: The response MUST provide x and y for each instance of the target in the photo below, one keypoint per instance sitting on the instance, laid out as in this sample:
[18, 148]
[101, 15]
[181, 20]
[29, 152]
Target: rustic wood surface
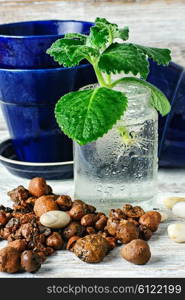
[158, 23]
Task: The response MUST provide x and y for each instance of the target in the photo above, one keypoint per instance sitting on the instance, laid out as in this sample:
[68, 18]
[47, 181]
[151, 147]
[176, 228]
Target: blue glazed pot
[28, 98]
[23, 45]
[171, 81]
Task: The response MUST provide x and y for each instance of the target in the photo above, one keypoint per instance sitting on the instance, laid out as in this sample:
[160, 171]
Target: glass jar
[121, 167]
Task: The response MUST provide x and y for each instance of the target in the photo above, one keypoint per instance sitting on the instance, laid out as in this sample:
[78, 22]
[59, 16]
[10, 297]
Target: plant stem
[99, 75]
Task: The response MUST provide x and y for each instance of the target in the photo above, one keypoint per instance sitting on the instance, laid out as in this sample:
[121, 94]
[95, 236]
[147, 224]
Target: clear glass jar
[122, 165]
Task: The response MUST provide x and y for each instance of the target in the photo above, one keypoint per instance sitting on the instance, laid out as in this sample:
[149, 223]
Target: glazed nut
[3, 218]
[71, 242]
[18, 194]
[176, 232]
[133, 211]
[151, 219]
[171, 201]
[117, 213]
[44, 204]
[133, 221]
[64, 202]
[144, 233]
[9, 260]
[30, 261]
[136, 252]
[55, 219]
[77, 211]
[38, 187]
[74, 228]
[111, 241]
[101, 223]
[127, 232]
[90, 230]
[19, 245]
[112, 225]
[88, 220]
[55, 241]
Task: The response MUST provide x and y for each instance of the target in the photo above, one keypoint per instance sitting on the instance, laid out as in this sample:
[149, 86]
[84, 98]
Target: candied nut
[77, 211]
[133, 211]
[64, 202]
[101, 223]
[27, 218]
[111, 241]
[74, 228]
[19, 245]
[137, 252]
[117, 213]
[112, 225]
[176, 232]
[44, 204]
[3, 218]
[91, 248]
[38, 187]
[30, 261]
[55, 219]
[90, 209]
[90, 230]
[13, 224]
[76, 202]
[127, 232]
[42, 256]
[144, 233]
[44, 230]
[18, 194]
[9, 260]
[131, 220]
[55, 241]
[151, 219]
[88, 220]
[71, 242]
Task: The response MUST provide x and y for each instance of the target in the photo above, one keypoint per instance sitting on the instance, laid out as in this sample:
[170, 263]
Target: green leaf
[124, 57]
[158, 99]
[69, 52]
[99, 36]
[79, 36]
[123, 33]
[161, 56]
[87, 115]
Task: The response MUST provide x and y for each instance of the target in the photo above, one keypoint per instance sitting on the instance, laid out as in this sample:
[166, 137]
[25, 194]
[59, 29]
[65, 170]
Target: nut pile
[42, 222]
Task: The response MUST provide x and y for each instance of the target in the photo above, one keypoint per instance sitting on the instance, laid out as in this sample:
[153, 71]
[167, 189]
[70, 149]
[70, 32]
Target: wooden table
[158, 23]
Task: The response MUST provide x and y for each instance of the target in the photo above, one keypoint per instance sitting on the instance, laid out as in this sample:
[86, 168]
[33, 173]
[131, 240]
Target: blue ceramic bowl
[23, 45]
[28, 98]
[171, 81]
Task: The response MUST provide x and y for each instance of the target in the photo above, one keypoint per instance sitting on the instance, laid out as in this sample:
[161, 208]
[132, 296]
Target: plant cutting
[107, 120]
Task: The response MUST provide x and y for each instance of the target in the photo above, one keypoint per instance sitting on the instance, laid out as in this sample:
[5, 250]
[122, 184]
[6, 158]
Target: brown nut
[64, 202]
[71, 242]
[77, 211]
[111, 241]
[101, 223]
[112, 225]
[19, 245]
[88, 220]
[30, 261]
[55, 241]
[3, 218]
[42, 256]
[74, 228]
[9, 260]
[131, 220]
[91, 248]
[151, 219]
[144, 233]
[18, 194]
[44, 204]
[127, 232]
[90, 230]
[133, 211]
[136, 252]
[117, 213]
[38, 187]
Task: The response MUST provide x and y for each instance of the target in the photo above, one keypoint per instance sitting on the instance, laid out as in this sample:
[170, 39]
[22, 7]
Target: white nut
[170, 201]
[176, 232]
[164, 216]
[55, 219]
[179, 209]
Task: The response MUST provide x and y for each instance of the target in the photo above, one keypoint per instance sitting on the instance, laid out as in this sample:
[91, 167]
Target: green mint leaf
[87, 115]
[79, 36]
[158, 99]
[123, 33]
[124, 57]
[69, 52]
[161, 56]
[99, 36]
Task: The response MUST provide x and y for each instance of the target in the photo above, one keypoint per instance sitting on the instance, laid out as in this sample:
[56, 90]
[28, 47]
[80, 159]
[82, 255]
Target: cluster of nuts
[42, 222]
